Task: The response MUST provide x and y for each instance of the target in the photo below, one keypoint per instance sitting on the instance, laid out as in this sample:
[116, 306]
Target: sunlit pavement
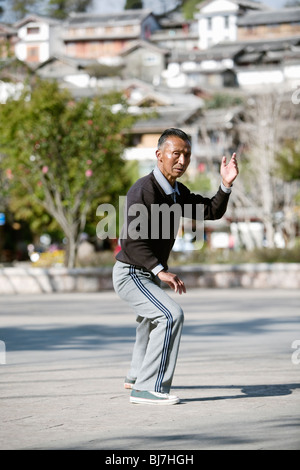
[238, 374]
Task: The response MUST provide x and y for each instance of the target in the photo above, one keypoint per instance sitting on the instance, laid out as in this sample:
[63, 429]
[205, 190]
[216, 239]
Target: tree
[190, 7]
[269, 119]
[133, 5]
[62, 8]
[56, 8]
[289, 160]
[66, 154]
[22, 7]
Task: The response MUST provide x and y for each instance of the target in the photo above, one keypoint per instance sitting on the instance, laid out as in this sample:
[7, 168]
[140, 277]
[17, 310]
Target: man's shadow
[247, 391]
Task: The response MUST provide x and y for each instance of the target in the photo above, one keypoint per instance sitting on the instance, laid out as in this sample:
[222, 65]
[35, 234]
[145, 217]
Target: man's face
[173, 158]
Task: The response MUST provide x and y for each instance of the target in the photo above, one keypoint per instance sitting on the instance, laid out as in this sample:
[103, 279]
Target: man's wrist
[157, 269]
[226, 188]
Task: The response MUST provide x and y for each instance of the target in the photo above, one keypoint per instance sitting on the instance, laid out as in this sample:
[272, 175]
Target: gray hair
[173, 132]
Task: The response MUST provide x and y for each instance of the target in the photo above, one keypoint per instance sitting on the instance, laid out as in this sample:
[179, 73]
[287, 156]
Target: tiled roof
[245, 4]
[284, 15]
[37, 18]
[127, 16]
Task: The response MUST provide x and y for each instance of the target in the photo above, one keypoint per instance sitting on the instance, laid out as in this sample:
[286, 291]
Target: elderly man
[142, 265]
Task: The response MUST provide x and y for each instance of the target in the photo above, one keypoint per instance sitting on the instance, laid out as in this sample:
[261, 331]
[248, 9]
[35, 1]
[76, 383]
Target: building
[277, 24]
[217, 20]
[90, 36]
[176, 33]
[268, 63]
[145, 61]
[8, 39]
[67, 71]
[172, 109]
[211, 69]
[38, 38]
[13, 74]
[241, 64]
[242, 44]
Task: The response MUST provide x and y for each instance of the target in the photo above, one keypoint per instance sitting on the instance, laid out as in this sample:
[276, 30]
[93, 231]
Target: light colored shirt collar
[164, 183]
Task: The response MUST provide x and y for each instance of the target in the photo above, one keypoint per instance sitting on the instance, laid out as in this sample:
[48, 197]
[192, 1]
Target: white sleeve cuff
[157, 269]
[225, 189]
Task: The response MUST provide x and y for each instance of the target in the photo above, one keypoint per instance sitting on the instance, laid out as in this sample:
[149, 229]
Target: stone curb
[23, 280]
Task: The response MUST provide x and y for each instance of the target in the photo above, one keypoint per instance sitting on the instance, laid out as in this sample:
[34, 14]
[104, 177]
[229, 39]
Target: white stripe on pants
[158, 333]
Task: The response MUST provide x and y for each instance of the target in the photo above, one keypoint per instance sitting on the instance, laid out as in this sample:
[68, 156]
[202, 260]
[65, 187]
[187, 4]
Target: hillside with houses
[229, 77]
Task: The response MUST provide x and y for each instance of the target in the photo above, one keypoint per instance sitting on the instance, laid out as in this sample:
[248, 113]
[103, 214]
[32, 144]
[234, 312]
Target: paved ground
[67, 355]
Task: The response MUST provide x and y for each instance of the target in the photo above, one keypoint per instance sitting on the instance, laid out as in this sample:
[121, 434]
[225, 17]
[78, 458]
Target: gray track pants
[158, 333]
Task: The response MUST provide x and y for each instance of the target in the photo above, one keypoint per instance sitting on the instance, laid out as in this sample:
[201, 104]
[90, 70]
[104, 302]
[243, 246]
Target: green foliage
[63, 155]
[201, 183]
[223, 100]
[189, 8]
[133, 4]
[289, 161]
[102, 70]
[205, 255]
[60, 9]
[22, 7]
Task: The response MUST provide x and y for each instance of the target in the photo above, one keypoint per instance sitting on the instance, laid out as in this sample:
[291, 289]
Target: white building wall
[42, 35]
[220, 5]
[217, 23]
[292, 74]
[258, 78]
[20, 51]
[215, 29]
[44, 51]
[40, 40]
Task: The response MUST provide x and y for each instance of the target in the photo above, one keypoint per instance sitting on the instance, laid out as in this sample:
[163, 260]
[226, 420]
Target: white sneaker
[153, 398]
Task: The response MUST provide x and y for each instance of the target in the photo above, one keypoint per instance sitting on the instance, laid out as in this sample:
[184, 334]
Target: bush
[50, 258]
[263, 255]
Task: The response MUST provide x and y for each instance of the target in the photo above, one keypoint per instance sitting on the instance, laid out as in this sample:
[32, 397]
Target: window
[33, 54]
[251, 30]
[90, 31]
[129, 29]
[92, 50]
[71, 49]
[109, 29]
[72, 32]
[226, 20]
[33, 30]
[209, 24]
[150, 59]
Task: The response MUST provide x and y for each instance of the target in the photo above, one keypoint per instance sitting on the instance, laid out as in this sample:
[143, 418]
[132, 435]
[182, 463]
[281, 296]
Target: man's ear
[158, 155]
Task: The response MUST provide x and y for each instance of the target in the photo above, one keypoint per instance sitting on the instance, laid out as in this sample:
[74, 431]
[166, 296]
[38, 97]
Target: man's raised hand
[230, 171]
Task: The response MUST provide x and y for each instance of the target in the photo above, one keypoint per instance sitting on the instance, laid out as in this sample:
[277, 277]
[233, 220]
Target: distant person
[142, 264]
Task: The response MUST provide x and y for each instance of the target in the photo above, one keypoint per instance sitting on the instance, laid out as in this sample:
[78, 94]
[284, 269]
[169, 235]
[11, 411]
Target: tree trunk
[71, 251]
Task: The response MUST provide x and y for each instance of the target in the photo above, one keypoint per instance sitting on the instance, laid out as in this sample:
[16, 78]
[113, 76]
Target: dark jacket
[152, 245]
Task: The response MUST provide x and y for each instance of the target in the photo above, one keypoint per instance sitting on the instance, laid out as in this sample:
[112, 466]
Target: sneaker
[153, 398]
[129, 383]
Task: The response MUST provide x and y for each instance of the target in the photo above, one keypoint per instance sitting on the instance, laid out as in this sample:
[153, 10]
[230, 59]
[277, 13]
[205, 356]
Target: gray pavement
[67, 355]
